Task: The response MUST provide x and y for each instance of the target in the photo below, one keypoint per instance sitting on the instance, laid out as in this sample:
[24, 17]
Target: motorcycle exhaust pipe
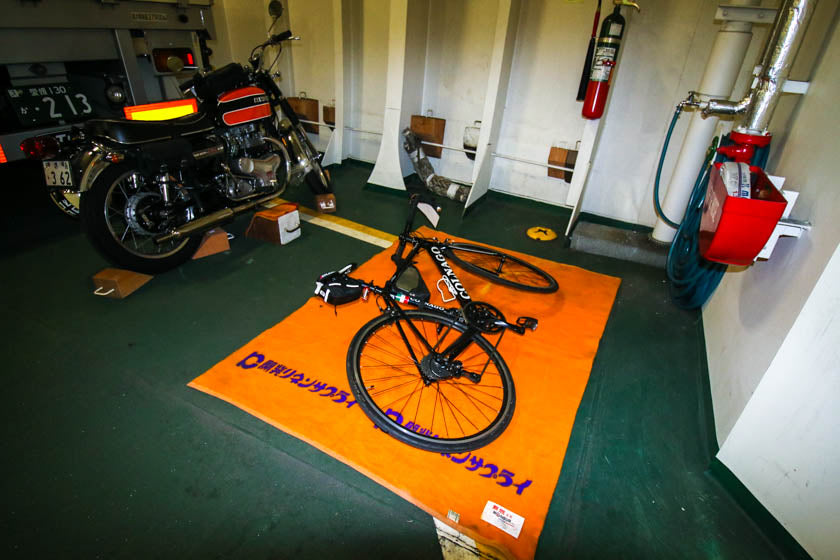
[211, 220]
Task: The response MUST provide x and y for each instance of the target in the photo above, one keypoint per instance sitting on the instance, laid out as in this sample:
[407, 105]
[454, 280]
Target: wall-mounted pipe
[782, 45]
[788, 31]
[757, 106]
[725, 61]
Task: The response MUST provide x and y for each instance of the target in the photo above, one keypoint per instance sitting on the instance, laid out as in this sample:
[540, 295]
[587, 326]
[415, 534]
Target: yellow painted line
[341, 225]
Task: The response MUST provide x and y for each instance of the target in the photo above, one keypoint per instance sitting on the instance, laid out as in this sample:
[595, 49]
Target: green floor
[107, 453]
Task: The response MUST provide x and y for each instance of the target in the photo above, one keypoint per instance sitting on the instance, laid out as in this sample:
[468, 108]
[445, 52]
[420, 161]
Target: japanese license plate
[58, 173]
[49, 104]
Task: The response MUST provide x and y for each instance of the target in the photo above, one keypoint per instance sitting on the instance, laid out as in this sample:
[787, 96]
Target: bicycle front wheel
[451, 415]
[501, 268]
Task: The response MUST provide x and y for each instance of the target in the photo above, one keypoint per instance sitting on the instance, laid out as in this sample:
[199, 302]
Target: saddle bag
[336, 288]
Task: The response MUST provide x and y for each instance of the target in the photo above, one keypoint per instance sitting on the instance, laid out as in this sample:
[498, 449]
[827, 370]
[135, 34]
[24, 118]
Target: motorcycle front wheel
[122, 214]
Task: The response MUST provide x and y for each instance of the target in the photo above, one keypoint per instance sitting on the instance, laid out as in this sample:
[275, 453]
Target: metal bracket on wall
[752, 14]
[787, 226]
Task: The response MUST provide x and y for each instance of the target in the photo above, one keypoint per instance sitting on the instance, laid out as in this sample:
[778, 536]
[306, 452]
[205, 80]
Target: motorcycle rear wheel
[116, 217]
[66, 201]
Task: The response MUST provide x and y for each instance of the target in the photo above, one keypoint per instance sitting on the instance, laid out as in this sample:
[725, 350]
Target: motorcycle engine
[251, 166]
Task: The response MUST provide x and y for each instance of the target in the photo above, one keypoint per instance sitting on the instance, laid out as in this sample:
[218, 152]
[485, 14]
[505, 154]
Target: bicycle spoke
[384, 351]
[458, 413]
[385, 364]
[479, 388]
[396, 347]
[409, 396]
[459, 410]
[451, 411]
[419, 400]
[434, 411]
[472, 401]
[383, 391]
[369, 379]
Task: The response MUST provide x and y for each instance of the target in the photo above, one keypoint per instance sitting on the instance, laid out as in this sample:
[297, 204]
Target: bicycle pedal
[527, 323]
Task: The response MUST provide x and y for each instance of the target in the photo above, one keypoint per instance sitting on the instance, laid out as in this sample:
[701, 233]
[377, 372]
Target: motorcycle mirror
[275, 8]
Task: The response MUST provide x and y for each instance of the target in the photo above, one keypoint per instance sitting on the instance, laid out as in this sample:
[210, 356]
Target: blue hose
[693, 278]
[659, 211]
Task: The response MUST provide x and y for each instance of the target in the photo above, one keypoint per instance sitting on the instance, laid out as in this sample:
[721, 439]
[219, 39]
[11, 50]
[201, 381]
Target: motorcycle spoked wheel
[116, 216]
[66, 201]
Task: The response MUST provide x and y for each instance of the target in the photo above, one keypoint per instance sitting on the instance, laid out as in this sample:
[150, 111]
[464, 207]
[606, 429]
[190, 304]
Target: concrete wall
[366, 56]
[753, 309]
[313, 57]
[664, 54]
[784, 445]
[459, 47]
[541, 110]
[772, 338]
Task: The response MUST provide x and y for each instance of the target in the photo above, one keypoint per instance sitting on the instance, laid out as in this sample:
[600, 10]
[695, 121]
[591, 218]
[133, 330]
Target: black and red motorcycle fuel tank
[243, 105]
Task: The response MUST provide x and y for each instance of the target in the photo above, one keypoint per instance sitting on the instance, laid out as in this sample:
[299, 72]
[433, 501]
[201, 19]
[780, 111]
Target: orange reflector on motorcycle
[2, 155]
[161, 111]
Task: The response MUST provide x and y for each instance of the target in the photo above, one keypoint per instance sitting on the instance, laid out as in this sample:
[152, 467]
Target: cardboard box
[117, 283]
[279, 225]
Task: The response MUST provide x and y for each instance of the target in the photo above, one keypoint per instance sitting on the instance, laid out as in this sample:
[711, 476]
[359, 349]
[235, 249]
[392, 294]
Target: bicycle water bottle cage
[412, 283]
[484, 317]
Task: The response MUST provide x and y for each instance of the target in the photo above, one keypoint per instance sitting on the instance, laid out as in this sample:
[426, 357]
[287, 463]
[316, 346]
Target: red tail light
[40, 147]
[190, 59]
[2, 155]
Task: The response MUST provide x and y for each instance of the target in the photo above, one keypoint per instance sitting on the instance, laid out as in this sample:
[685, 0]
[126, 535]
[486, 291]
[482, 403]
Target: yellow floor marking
[341, 225]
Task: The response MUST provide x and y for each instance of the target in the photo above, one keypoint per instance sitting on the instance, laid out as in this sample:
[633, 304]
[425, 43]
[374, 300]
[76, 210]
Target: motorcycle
[150, 189]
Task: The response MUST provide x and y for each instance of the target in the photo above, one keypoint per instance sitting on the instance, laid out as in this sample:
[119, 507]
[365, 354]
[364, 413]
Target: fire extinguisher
[603, 64]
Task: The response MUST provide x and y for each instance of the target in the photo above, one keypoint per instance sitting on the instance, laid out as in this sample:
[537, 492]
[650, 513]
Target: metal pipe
[317, 123]
[788, 31]
[362, 131]
[782, 45]
[757, 106]
[532, 162]
[725, 60]
[425, 143]
[212, 220]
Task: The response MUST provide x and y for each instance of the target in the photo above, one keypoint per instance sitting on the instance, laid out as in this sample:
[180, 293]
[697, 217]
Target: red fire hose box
[733, 230]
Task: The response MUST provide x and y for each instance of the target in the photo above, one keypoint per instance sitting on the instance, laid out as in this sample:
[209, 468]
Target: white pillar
[404, 89]
[725, 61]
[498, 79]
[335, 147]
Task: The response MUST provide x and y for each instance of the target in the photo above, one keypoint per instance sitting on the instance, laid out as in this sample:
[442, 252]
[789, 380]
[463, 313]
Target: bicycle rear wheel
[448, 415]
[501, 268]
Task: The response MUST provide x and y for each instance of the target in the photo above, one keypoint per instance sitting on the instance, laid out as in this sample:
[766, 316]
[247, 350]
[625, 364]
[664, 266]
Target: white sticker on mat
[503, 518]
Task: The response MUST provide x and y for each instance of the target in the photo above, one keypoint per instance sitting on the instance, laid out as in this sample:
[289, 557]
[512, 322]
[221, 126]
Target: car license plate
[58, 173]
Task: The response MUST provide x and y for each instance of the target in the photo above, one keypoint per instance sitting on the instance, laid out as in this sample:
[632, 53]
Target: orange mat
[293, 376]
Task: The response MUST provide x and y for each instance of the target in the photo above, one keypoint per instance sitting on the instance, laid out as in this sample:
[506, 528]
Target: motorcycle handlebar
[279, 37]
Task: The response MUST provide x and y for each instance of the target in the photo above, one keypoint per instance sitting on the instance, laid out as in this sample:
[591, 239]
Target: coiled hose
[693, 278]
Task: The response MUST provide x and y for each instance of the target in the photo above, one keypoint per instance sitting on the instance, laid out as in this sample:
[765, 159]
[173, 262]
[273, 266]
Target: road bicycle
[429, 376]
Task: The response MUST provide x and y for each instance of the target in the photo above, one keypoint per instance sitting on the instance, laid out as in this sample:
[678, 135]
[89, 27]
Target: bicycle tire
[501, 267]
[443, 428]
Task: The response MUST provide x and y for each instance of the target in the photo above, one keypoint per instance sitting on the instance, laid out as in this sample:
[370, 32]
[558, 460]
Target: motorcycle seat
[124, 131]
